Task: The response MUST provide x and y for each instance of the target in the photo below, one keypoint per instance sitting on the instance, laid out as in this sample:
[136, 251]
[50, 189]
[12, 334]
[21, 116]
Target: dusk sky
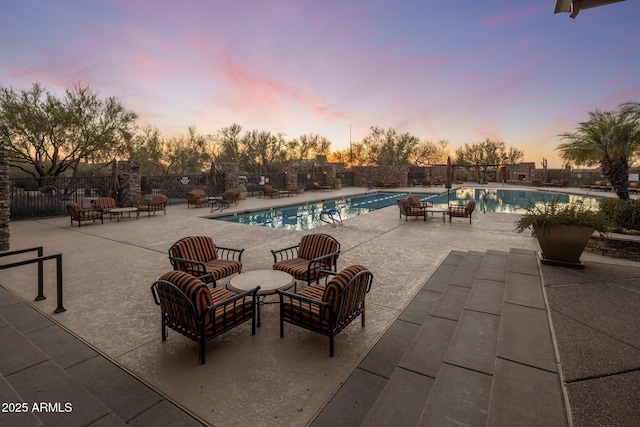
[462, 71]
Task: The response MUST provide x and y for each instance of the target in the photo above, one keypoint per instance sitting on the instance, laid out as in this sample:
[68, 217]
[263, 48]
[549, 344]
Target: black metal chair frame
[184, 309]
[332, 329]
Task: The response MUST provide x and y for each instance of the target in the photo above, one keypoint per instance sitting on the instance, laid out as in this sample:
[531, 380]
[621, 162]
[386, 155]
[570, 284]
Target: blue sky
[463, 71]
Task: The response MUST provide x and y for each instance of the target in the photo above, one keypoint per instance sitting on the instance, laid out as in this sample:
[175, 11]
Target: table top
[123, 210]
[268, 280]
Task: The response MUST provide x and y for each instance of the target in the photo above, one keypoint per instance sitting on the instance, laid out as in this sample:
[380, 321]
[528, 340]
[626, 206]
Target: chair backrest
[316, 245]
[197, 248]
[346, 291]
[183, 301]
[468, 210]
[159, 198]
[103, 203]
[231, 195]
[413, 200]
[74, 210]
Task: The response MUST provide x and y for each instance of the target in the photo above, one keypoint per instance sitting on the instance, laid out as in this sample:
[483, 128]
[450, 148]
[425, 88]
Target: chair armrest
[285, 253]
[323, 257]
[229, 253]
[193, 267]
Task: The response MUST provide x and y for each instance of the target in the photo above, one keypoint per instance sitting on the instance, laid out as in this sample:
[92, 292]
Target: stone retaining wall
[615, 246]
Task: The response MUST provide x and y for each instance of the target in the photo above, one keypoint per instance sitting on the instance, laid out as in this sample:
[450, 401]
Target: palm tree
[610, 139]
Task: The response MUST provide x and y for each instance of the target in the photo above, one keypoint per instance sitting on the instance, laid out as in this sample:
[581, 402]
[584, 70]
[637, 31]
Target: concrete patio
[268, 380]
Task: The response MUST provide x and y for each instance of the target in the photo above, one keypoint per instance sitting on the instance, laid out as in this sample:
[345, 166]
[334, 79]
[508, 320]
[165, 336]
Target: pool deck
[105, 355]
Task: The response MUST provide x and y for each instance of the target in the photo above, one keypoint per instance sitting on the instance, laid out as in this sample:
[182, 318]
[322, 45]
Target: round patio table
[268, 280]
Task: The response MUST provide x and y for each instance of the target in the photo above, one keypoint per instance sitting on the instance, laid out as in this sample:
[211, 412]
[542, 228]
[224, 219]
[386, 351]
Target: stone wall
[5, 201]
[391, 175]
[616, 246]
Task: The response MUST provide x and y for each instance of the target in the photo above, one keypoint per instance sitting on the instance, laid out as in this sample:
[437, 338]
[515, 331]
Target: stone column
[5, 201]
[291, 171]
[130, 180]
[231, 173]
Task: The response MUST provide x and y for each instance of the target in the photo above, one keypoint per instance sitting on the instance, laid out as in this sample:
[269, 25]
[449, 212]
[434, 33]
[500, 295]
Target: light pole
[350, 149]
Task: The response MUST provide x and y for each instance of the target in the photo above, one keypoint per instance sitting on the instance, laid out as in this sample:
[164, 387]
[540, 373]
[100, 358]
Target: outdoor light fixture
[575, 6]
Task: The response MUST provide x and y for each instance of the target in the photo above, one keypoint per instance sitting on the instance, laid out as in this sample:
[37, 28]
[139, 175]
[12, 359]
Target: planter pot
[337, 186]
[563, 244]
[243, 195]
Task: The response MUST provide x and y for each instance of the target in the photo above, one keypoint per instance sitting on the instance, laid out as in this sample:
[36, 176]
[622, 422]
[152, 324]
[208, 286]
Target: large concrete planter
[563, 244]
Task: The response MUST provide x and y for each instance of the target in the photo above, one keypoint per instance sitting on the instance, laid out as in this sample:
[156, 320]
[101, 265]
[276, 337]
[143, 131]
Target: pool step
[472, 348]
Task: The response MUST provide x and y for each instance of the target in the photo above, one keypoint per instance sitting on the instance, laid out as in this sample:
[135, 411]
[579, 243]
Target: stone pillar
[5, 201]
[130, 180]
[291, 172]
[231, 173]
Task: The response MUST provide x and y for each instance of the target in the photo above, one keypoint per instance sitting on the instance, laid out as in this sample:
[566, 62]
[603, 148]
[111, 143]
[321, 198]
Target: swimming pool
[306, 216]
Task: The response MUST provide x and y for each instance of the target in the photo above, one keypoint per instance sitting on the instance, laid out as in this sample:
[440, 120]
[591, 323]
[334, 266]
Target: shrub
[625, 214]
[242, 188]
[554, 213]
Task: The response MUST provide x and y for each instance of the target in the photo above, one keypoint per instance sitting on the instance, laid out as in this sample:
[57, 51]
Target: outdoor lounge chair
[407, 210]
[328, 308]
[157, 203]
[306, 260]
[77, 214]
[197, 198]
[231, 196]
[317, 186]
[633, 187]
[198, 312]
[198, 255]
[270, 191]
[462, 211]
[105, 204]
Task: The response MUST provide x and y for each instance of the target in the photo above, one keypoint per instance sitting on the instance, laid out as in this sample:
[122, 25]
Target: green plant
[337, 181]
[625, 214]
[242, 188]
[554, 213]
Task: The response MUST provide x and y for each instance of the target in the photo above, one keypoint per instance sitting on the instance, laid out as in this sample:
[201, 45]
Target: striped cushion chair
[306, 260]
[198, 312]
[198, 255]
[77, 214]
[328, 308]
[462, 211]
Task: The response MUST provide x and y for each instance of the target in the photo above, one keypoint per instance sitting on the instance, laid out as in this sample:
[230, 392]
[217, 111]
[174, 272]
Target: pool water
[507, 200]
[309, 215]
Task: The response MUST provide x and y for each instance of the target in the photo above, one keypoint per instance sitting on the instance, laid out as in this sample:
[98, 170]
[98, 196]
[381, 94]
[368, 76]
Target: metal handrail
[330, 213]
[40, 259]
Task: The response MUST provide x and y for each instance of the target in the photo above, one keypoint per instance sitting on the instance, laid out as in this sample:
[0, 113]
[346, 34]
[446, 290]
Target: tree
[48, 136]
[388, 148]
[486, 154]
[229, 140]
[262, 149]
[429, 153]
[610, 139]
[308, 146]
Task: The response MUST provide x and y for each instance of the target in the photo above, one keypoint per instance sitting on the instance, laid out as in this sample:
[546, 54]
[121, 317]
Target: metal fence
[42, 197]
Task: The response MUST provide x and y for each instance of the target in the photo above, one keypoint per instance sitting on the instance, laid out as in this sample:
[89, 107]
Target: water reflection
[508, 201]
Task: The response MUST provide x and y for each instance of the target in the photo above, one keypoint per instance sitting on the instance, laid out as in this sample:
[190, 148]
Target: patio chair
[407, 210]
[156, 204]
[105, 204]
[306, 260]
[77, 214]
[197, 198]
[317, 187]
[462, 211]
[198, 255]
[328, 308]
[231, 196]
[198, 312]
[271, 192]
[415, 202]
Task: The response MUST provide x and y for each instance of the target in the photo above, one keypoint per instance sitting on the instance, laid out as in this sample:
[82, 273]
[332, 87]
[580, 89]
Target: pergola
[575, 6]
